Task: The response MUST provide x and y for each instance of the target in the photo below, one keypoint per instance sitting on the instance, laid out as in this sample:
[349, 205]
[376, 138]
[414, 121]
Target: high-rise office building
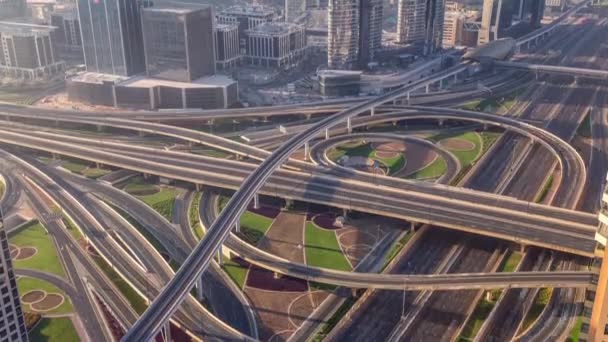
[12, 325]
[421, 22]
[12, 8]
[411, 20]
[111, 36]
[354, 32]
[178, 43]
[227, 50]
[497, 15]
[294, 9]
[370, 36]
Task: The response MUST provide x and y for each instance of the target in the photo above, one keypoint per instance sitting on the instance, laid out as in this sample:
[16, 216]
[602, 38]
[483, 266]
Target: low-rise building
[246, 18]
[27, 51]
[276, 44]
[212, 92]
[12, 8]
[339, 82]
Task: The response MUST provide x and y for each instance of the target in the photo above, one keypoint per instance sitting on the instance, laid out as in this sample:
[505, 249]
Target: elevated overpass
[568, 158]
[488, 217]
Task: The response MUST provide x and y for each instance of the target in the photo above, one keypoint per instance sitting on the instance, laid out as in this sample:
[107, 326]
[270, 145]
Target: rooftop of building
[175, 10]
[248, 10]
[93, 77]
[275, 28]
[204, 82]
[66, 11]
[24, 28]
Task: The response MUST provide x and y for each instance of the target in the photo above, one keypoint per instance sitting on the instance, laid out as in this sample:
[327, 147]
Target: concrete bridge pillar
[372, 111]
[237, 226]
[146, 176]
[98, 165]
[99, 127]
[141, 134]
[199, 187]
[345, 213]
[199, 289]
[220, 256]
[256, 201]
[427, 88]
[412, 226]
[441, 122]
[55, 156]
[441, 83]
[349, 126]
[306, 150]
[288, 203]
[326, 133]
[408, 97]
[354, 293]
[166, 332]
[485, 126]
[523, 248]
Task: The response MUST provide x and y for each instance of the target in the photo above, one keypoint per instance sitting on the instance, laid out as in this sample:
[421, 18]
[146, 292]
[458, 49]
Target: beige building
[596, 297]
[453, 29]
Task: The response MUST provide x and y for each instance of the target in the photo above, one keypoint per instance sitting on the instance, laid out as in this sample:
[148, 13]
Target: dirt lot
[51, 301]
[33, 296]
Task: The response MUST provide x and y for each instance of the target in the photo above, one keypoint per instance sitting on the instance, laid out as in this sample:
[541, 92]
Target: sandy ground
[417, 159]
[284, 238]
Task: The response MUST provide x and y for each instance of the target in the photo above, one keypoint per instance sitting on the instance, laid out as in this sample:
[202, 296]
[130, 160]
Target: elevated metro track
[554, 69]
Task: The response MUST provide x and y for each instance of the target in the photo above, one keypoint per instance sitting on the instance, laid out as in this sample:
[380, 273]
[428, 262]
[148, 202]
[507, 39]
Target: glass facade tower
[111, 36]
[354, 32]
[178, 43]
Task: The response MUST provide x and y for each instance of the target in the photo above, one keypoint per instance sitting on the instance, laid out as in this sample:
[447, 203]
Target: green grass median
[27, 284]
[57, 329]
[322, 249]
[434, 170]
[34, 235]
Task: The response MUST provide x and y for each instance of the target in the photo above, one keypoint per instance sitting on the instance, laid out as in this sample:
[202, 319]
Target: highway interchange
[535, 133]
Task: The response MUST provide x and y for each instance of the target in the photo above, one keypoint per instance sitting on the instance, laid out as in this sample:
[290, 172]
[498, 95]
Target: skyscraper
[12, 325]
[421, 22]
[179, 43]
[294, 9]
[370, 36]
[354, 32]
[496, 16]
[111, 36]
